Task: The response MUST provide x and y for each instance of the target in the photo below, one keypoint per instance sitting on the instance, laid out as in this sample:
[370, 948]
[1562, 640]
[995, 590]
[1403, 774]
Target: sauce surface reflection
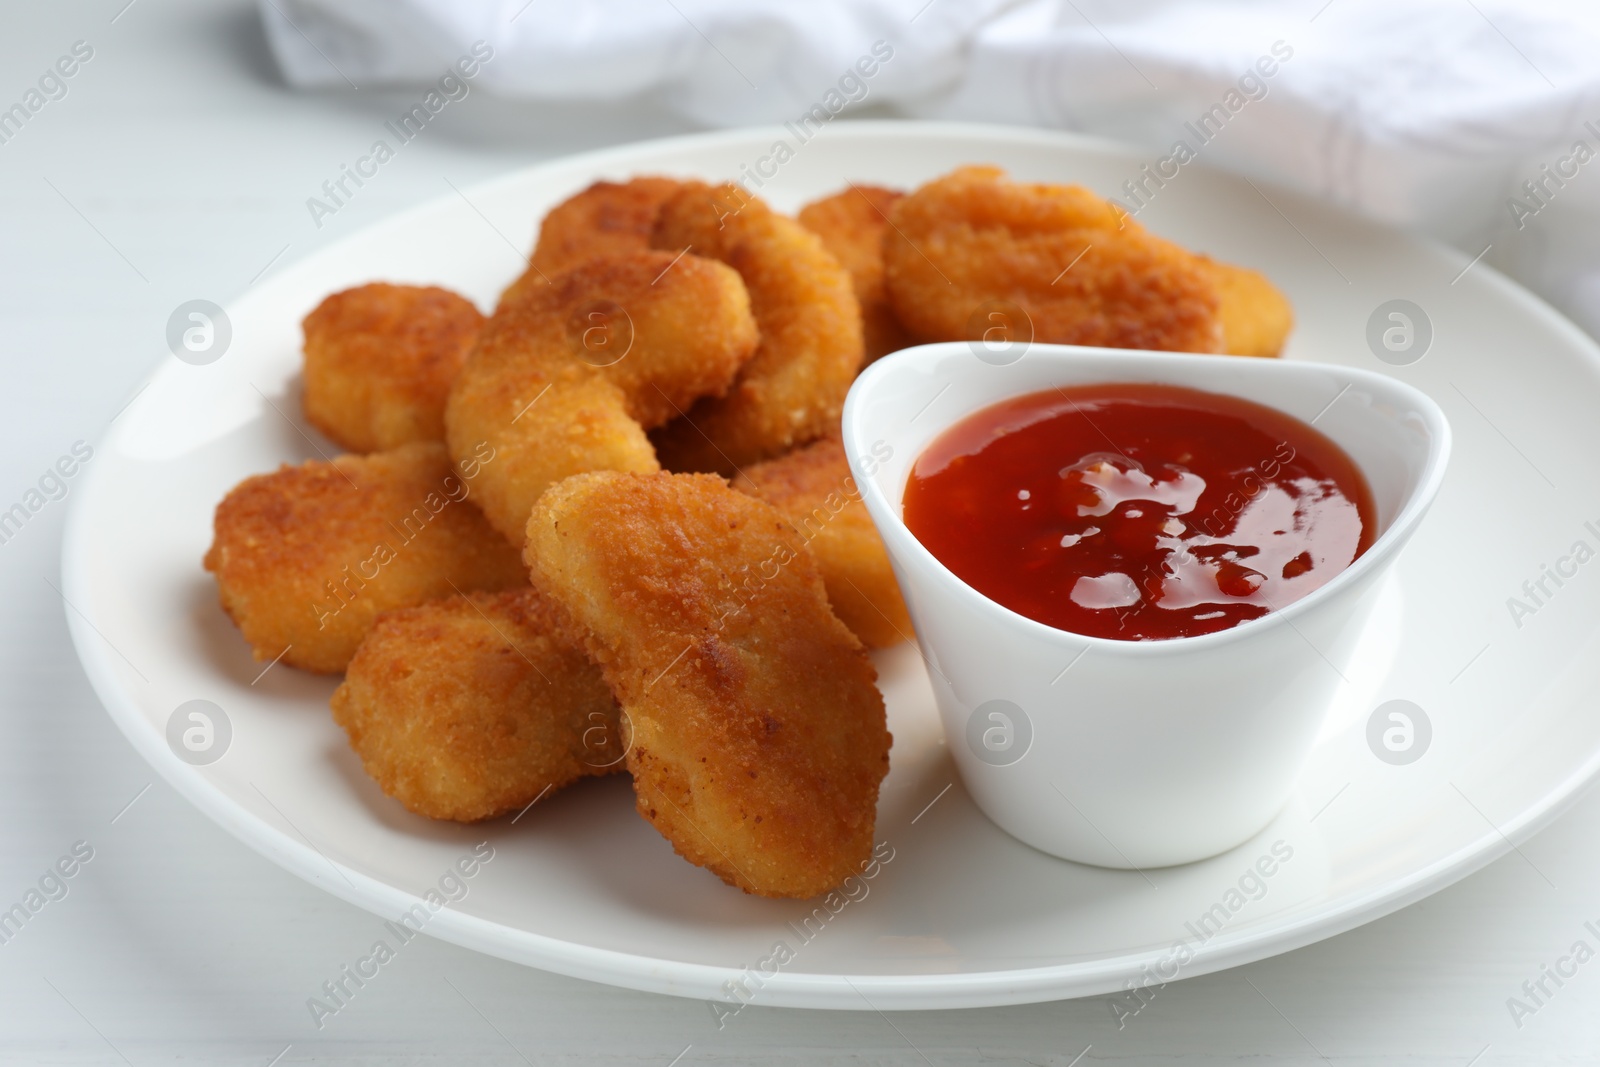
[1139, 512]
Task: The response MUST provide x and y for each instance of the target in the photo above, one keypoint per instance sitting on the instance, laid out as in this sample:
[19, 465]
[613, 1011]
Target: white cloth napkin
[1430, 114]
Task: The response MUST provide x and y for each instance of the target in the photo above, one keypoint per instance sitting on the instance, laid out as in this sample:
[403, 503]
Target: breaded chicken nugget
[379, 360]
[814, 489]
[793, 388]
[852, 224]
[606, 219]
[758, 738]
[568, 379]
[476, 705]
[1256, 316]
[968, 248]
[306, 557]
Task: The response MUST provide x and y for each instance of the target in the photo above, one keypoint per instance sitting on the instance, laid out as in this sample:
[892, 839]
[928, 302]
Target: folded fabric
[1471, 120]
[719, 62]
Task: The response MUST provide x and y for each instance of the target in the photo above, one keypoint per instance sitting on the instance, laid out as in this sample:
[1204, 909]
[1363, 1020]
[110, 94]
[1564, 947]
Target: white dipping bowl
[1135, 754]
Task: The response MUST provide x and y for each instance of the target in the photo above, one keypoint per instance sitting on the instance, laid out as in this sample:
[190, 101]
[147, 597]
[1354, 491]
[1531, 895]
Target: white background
[178, 167]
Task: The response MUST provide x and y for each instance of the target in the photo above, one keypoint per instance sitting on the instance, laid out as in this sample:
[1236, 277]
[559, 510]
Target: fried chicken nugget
[606, 219]
[852, 224]
[379, 360]
[757, 738]
[813, 487]
[793, 388]
[569, 378]
[1256, 316]
[306, 557]
[477, 705]
[966, 245]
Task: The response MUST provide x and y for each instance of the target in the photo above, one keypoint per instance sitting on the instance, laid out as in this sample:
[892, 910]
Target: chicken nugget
[852, 224]
[792, 390]
[970, 249]
[477, 705]
[813, 487]
[1256, 316]
[306, 557]
[606, 219]
[757, 737]
[569, 379]
[379, 360]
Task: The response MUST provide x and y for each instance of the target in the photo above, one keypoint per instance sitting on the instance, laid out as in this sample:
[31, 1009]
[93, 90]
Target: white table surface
[177, 167]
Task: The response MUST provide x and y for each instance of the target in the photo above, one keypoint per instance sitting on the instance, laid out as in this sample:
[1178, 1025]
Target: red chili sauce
[1139, 512]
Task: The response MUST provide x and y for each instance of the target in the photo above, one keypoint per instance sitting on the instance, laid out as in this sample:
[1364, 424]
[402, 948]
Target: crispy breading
[813, 487]
[477, 705]
[306, 557]
[606, 219]
[569, 378]
[1256, 316]
[379, 360]
[851, 224]
[967, 249]
[757, 738]
[793, 388]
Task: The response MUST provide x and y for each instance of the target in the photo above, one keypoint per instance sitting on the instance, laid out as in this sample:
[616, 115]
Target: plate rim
[962, 989]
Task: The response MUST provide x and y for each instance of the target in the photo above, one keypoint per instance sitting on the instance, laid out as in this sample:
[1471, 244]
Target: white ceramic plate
[963, 914]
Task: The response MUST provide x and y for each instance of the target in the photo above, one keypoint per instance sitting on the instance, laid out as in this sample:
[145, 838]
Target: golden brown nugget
[606, 219]
[569, 379]
[379, 360]
[757, 738]
[852, 224]
[792, 390]
[306, 557]
[813, 487]
[967, 250]
[1256, 316]
[477, 705]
